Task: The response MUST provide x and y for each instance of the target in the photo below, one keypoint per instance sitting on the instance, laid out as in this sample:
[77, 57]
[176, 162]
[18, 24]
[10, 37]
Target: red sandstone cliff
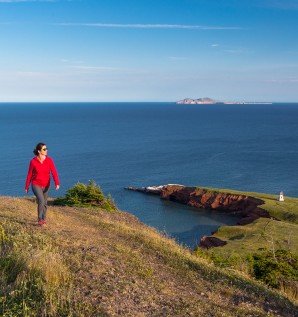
[242, 205]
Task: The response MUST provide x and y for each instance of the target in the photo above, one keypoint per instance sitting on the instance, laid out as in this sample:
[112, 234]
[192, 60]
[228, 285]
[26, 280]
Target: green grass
[281, 231]
[263, 235]
[283, 210]
[90, 262]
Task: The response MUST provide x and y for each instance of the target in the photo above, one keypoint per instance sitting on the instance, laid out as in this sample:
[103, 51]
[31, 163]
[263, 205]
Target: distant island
[209, 101]
[205, 100]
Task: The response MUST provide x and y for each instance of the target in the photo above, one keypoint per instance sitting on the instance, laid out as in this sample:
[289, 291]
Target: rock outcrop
[242, 205]
[211, 242]
[246, 207]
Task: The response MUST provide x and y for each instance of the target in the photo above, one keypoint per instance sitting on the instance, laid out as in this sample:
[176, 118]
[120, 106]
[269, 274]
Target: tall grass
[90, 262]
[34, 279]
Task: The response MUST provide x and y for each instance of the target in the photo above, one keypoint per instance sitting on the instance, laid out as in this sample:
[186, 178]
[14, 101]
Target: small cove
[183, 223]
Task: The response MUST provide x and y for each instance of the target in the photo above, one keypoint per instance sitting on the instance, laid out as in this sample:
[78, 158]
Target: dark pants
[41, 194]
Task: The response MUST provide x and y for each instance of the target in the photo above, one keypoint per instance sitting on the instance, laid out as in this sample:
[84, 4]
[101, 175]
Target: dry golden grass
[89, 262]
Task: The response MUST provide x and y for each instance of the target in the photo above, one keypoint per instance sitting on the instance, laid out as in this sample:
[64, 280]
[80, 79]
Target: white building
[281, 196]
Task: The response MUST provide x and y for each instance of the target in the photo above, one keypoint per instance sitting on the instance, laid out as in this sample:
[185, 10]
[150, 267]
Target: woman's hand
[57, 187]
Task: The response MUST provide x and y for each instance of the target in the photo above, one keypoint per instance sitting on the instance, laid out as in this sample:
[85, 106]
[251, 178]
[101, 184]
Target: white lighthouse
[281, 196]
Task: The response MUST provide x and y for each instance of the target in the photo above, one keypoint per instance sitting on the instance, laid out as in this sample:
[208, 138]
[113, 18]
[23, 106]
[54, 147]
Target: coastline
[251, 207]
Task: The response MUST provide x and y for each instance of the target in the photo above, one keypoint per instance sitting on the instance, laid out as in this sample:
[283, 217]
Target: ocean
[244, 147]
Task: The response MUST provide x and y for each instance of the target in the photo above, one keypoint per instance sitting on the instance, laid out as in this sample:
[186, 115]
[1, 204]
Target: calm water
[244, 147]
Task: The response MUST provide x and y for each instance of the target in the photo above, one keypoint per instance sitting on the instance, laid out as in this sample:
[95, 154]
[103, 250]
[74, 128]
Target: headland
[250, 207]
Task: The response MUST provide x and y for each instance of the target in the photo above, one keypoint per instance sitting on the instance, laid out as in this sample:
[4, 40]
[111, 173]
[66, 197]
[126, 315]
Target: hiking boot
[44, 222]
[40, 223]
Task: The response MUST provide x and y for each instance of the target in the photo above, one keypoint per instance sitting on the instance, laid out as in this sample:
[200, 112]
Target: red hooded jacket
[39, 173]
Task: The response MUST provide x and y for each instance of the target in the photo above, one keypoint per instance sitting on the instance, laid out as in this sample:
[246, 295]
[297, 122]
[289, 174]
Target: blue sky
[148, 50]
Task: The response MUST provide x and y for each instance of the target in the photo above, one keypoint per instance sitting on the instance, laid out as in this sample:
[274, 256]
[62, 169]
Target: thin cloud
[280, 4]
[68, 61]
[81, 66]
[265, 4]
[235, 51]
[230, 50]
[20, 75]
[14, 1]
[151, 26]
[93, 68]
[177, 58]
[290, 80]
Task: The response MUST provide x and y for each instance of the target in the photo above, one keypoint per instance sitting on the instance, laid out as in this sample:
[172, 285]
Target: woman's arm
[55, 175]
[29, 176]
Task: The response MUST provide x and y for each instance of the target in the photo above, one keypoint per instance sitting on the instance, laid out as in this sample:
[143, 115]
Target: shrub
[89, 195]
[276, 269]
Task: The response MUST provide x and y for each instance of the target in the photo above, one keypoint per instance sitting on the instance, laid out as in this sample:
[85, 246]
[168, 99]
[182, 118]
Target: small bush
[233, 260]
[276, 269]
[82, 195]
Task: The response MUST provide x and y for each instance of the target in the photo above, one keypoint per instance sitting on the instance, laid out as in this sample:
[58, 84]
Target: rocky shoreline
[246, 207]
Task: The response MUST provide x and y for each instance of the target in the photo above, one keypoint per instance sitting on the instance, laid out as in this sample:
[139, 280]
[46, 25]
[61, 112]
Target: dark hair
[38, 148]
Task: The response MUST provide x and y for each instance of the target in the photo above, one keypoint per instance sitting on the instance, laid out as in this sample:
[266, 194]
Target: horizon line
[156, 101]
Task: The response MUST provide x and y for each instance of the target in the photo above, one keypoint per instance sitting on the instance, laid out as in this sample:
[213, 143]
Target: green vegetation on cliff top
[279, 232]
[283, 210]
[91, 262]
[266, 248]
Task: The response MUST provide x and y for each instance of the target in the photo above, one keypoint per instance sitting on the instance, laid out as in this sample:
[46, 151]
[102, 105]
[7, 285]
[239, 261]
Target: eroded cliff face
[244, 206]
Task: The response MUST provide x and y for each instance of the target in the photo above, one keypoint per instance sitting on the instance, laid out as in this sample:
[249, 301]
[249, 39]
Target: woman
[39, 175]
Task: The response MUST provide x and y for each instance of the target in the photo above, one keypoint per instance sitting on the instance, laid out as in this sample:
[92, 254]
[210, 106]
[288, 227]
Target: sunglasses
[45, 149]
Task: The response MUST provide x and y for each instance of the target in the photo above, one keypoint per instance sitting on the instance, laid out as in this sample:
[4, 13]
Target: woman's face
[43, 150]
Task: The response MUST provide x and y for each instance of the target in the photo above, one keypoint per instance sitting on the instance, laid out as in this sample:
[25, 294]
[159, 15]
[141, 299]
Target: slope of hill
[90, 262]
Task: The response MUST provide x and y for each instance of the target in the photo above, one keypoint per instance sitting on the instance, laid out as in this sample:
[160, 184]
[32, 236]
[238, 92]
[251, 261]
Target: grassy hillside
[273, 238]
[90, 262]
[279, 232]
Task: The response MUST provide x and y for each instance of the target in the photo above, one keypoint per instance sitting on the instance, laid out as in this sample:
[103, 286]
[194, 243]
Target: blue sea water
[243, 147]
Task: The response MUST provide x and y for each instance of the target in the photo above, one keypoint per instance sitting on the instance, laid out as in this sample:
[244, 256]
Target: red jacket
[39, 173]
